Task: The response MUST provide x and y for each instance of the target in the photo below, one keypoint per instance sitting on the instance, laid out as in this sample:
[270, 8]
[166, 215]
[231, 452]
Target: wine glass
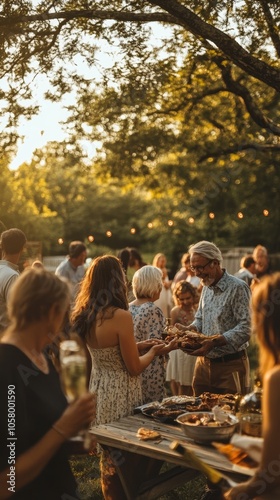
[73, 369]
[73, 364]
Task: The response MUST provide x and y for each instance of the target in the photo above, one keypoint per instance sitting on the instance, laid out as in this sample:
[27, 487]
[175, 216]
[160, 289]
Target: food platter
[169, 409]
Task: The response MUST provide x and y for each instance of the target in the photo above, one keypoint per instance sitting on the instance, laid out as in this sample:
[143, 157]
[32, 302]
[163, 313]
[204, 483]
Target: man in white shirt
[73, 267]
[12, 243]
[247, 270]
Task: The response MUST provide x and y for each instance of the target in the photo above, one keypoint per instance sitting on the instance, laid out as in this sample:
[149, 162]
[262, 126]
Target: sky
[37, 132]
[46, 126]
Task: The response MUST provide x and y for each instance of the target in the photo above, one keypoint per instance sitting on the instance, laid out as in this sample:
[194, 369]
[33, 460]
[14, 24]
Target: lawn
[86, 471]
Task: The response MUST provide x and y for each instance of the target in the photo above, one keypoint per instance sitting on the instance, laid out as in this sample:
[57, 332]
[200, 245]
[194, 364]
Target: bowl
[205, 434]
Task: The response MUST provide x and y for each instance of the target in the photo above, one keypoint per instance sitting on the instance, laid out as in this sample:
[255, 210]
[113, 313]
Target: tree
[240, 37]
[191, 114]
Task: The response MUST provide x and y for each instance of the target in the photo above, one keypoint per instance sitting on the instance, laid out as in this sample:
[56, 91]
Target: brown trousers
[210, 376]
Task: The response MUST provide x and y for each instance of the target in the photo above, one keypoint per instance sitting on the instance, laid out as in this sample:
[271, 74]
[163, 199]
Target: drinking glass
[73, 364]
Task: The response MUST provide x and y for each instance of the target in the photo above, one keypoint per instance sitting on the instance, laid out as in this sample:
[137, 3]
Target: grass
[86, 471]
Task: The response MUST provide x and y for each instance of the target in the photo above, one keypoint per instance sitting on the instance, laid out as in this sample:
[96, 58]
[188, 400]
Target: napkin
[252, 445]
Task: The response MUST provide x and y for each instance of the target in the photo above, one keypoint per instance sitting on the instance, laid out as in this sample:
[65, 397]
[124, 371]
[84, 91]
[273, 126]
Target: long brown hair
[103, 288]
[266, 320]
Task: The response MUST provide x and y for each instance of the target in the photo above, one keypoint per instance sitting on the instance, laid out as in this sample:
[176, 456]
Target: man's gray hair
[207, 249]
[146, 282]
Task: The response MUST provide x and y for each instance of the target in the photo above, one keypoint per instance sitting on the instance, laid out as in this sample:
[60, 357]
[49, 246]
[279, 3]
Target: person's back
[12, 243]
[247, 269]
[100, 317]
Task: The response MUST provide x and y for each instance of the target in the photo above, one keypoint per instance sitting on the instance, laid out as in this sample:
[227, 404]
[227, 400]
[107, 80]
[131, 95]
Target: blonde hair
[183, 287]
[146, 282]
[266, 320]
[33, 295]
[259, 250]
[157, 257]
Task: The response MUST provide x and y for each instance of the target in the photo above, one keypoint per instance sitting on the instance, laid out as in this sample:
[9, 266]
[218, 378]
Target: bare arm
[266, 478]
[134, 363]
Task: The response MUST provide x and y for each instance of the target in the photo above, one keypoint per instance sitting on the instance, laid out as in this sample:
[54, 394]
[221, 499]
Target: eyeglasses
[199, 269]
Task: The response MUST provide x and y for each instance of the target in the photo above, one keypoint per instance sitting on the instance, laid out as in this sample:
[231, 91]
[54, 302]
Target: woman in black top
[35, 419]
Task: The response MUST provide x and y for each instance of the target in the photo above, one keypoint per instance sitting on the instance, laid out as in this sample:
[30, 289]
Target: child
[180, 366]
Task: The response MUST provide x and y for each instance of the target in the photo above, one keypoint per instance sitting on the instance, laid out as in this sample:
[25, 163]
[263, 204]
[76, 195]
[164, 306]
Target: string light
[90, 238]
[265, 212]
[211, 215]
[240, 215]
[60, 241]
[170, 222]
[133, 230]
[191, 220]
[150, 225]
[108, 234]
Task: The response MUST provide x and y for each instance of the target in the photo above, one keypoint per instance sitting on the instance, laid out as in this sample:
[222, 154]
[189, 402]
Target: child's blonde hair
[184, 287]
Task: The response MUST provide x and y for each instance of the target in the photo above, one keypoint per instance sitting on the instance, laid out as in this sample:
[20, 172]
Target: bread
[147, 434]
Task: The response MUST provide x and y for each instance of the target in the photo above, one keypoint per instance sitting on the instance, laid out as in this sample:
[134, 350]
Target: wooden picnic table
[120, 439]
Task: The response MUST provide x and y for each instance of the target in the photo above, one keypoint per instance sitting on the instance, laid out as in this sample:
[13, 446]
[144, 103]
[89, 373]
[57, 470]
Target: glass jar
[250, 411]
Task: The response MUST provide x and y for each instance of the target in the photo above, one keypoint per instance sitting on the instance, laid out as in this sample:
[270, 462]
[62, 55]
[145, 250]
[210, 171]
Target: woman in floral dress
[149, 322]
[101, 318]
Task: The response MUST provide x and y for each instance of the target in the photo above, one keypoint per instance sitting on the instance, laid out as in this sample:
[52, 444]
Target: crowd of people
[120, 323]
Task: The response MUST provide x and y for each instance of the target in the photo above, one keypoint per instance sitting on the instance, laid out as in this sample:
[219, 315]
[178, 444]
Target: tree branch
[240, 147]
[90, 14]
[192, 101]
[233, 50]
[238, 89]
[273, 30]
[177, 14]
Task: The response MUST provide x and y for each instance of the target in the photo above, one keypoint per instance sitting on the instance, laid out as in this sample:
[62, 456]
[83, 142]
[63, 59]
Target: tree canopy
[186, 115]
[241, 38]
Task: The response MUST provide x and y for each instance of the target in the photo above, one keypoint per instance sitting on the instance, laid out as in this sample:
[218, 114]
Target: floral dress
[148, 321]
[117, 392]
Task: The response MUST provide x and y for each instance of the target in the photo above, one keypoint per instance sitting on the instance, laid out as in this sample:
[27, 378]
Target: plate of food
[169, 408]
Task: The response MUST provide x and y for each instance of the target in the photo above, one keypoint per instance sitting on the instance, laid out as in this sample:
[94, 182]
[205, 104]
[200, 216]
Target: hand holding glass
[73, 363]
